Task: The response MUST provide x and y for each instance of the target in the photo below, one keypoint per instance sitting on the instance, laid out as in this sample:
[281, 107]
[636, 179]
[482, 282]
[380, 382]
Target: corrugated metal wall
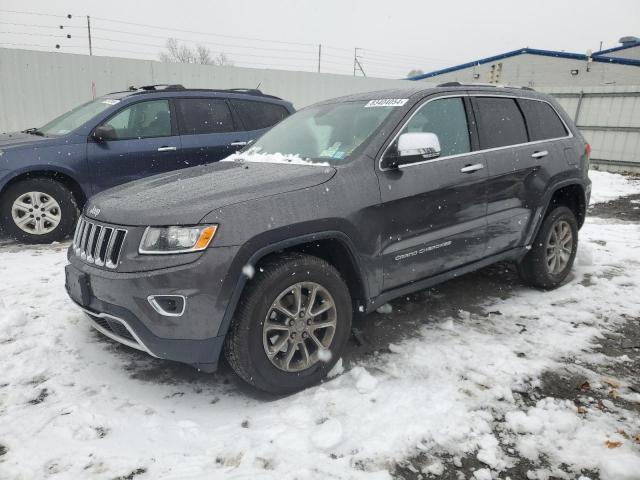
[609, 117]
[37, 86]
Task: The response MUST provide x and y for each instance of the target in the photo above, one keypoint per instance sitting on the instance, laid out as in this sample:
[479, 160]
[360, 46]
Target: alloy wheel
[299, 326]
[559, 247]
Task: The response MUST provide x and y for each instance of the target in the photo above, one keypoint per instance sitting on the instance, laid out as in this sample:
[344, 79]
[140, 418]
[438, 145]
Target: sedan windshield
[75, 118]
[321, 134]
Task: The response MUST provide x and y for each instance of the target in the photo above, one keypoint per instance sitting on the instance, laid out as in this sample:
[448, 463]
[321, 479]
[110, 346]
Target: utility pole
[89, 31]
[356, 63]
[319, 55]
[355, 60]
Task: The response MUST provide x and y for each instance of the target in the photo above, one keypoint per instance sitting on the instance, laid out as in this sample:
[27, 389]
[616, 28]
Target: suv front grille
[98, 244]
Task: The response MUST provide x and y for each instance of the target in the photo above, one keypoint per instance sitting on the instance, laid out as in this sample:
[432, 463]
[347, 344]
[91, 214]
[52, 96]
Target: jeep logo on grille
[94, 212]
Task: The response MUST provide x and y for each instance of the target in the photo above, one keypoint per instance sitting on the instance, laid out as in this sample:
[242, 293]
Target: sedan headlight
[165, 240]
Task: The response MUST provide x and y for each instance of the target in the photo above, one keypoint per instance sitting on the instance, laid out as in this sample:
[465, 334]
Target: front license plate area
[78, 286]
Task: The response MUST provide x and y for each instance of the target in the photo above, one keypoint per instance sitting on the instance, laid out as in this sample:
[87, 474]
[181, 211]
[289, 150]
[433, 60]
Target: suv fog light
[168, 305]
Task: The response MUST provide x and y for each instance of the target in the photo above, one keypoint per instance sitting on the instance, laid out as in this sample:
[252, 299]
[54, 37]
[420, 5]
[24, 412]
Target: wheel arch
[64, 178]
[333, 246]
[570, 193]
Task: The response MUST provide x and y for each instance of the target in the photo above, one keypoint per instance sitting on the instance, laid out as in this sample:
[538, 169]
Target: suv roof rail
[177, 87]
[480, 84]
[155, 87]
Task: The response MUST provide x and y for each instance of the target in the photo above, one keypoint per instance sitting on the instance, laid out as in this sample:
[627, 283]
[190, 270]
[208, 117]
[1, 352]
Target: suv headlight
[165, 240]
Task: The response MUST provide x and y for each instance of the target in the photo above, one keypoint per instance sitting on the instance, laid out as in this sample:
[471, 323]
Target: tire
[19, 201]
[247, 343]
[535, 269]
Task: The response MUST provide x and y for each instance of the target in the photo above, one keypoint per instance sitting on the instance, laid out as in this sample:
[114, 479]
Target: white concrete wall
[37, 86]
[539, 71]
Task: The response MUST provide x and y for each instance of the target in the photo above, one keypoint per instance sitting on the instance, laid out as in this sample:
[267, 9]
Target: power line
[202, 33]
[164, 37]
[375, 60]
[35, 13]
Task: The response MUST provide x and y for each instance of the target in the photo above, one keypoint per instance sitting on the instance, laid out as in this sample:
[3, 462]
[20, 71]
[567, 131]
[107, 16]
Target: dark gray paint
[487, 216]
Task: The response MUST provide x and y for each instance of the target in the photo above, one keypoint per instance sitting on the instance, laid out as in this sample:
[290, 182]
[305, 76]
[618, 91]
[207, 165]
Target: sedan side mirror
[412, 148]
[104, 133]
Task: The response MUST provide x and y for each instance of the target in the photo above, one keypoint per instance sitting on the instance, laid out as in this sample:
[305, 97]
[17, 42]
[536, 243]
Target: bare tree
[203, 55]
[414, 72]
[222, 60]
[180, 53]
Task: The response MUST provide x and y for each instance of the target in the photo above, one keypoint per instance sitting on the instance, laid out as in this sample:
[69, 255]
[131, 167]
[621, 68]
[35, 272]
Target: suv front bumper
[118, 307]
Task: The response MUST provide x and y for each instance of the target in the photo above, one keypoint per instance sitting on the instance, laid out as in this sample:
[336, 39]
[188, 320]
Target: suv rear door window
[542, 120]
[446, 118]
[500, 122]
[257, 115]
[142, 120]
[203, 115]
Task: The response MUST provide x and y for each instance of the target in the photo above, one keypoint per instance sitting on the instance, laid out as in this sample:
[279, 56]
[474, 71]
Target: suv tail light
[587, 156]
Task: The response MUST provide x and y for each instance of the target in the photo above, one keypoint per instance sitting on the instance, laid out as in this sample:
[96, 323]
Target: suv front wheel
[38, 210]
[292, 324]
[553, 251]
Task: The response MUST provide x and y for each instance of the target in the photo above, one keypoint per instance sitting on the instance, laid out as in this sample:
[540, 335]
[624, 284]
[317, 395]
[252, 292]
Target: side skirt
[512, 254]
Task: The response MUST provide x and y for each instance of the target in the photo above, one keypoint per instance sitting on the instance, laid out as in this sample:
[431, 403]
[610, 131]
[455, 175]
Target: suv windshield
[325, 133]
[73, 119]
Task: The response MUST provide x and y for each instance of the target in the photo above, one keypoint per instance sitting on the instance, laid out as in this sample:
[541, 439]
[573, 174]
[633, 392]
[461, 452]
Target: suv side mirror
[412, 148]
[104, 133]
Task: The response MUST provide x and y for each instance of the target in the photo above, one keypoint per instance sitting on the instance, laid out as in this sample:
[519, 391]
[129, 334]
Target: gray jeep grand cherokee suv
[339, 208]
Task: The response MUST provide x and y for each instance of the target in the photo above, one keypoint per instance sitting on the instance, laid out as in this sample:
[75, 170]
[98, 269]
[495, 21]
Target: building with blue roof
[539, 68]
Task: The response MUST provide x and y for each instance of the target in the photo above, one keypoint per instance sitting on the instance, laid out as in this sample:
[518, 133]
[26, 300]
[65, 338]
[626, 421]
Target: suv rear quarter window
[203, 115]
[543, 122]
[500, 122]
[257, 115]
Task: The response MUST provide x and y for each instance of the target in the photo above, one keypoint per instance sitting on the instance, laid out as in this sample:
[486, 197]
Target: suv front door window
[141, 143]
[436, 212]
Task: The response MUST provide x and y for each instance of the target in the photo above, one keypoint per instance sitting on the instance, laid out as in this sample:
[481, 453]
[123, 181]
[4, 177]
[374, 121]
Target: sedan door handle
[167, 149]
[238, 144]
[472, 168]
[540, 154]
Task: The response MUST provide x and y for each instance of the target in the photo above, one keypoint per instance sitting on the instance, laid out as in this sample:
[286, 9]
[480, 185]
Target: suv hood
[186, 196]
[20, 139]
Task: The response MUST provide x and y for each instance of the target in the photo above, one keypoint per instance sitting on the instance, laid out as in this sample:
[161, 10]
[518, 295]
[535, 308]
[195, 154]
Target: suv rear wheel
[553, 251]
[291, 326]
[38, 210]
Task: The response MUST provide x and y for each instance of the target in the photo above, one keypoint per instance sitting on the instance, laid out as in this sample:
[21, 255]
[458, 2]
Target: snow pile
[552, 430]
[256, 157]
[609, 186]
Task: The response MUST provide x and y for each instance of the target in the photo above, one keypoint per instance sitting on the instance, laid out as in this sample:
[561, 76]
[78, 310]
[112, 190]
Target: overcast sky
[396, 35]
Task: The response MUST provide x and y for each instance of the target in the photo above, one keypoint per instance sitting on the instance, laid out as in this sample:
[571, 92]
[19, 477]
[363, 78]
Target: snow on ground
[608, 186]
[75, 405]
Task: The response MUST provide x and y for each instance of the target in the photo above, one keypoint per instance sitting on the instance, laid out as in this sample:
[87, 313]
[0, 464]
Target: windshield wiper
[34, 131]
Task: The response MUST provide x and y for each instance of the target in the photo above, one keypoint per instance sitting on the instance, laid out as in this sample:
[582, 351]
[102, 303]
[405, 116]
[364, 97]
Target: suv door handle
[238, 144]
[472, 168]
[540, 154]
[167, 149]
